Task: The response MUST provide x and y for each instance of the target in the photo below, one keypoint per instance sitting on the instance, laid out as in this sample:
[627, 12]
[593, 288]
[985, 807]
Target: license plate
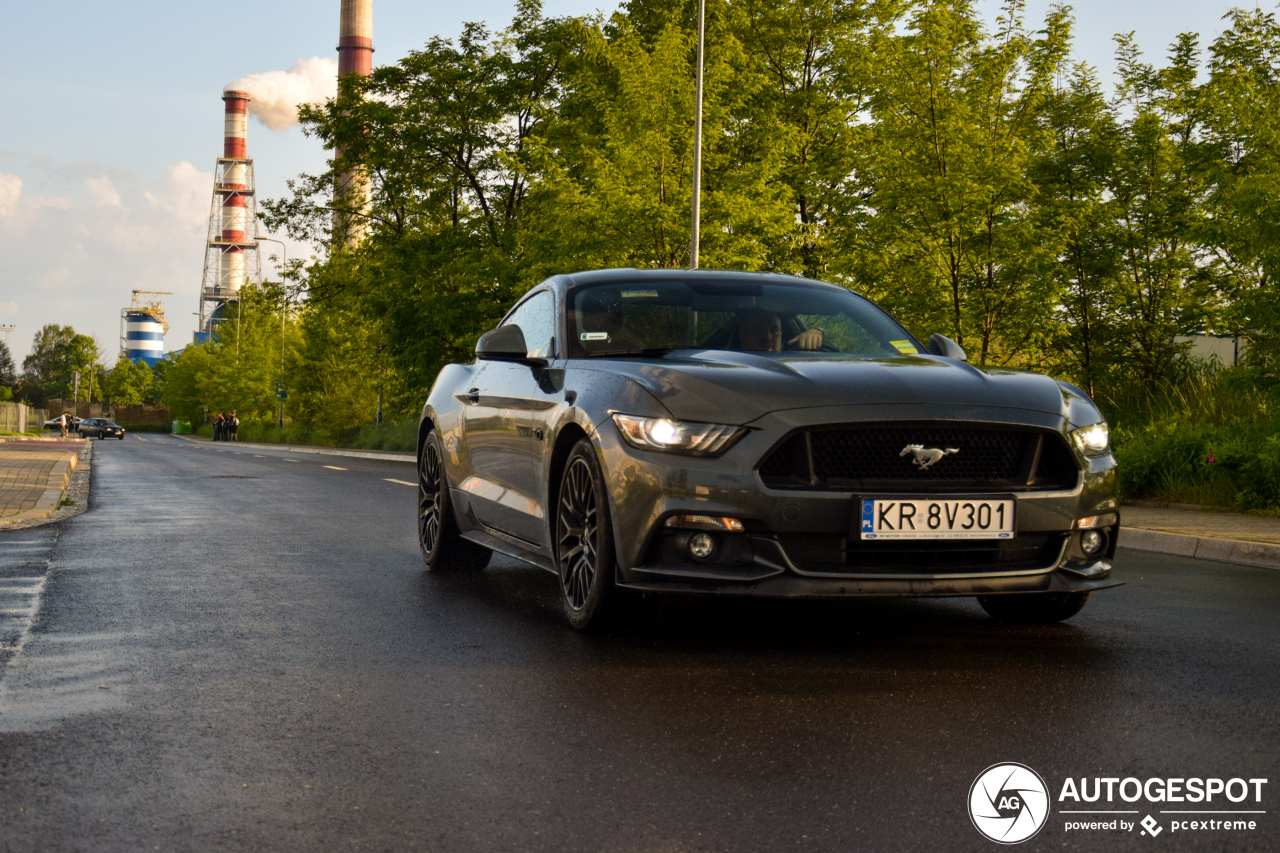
[936, 518]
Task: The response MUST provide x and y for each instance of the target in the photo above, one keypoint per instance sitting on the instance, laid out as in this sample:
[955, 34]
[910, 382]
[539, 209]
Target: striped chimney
[235, 224]
[355, 38]
[355, 56]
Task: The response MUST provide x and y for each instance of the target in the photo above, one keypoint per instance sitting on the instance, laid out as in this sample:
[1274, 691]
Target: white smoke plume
[276, 94]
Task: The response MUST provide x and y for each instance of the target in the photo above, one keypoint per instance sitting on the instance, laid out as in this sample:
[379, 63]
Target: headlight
[678, 436]
[1094, 440]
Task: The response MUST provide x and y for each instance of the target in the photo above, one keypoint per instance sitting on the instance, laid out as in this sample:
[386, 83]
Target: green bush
[1212, 439]
[165, 428]
[400, 435]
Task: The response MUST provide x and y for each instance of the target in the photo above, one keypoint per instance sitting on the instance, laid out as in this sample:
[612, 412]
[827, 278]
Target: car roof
[563, 282]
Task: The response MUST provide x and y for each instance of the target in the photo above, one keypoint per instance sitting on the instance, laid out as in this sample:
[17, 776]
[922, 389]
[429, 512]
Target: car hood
[737, 387]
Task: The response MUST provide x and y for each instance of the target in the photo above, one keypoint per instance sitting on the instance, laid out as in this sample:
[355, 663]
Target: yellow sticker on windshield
[627, 293]
[905, 347]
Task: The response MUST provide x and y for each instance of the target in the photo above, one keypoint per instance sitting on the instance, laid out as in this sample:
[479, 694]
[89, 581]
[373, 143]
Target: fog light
[701, 546]
[1091, 542]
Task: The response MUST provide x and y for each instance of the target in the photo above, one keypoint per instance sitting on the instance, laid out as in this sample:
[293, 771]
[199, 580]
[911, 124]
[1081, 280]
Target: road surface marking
[288, 460]
[335, 468]
[258, 456]
[140, 438]
[401, 482]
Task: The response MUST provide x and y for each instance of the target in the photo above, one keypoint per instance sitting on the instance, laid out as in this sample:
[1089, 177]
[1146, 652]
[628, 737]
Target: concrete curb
[59, 479]
[382, 455]
[1260, 554]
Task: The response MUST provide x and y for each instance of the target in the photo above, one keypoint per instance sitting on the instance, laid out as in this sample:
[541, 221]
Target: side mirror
[505, 343]
[945, 347]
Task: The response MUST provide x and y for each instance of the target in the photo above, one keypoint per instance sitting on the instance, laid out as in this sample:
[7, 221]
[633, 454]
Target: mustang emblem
[926, 456]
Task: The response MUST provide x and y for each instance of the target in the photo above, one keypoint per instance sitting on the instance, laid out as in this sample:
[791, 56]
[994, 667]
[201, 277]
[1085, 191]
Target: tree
[942, 225]
[1073, 177]
[8, 374]
[442, 136]
[239, 368]
[81, 356]
[615, 169]
[128, 384]
[1158, 184]
[1242, 108]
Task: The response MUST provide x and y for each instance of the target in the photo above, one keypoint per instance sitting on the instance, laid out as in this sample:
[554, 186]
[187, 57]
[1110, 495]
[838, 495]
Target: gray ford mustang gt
[640, 432]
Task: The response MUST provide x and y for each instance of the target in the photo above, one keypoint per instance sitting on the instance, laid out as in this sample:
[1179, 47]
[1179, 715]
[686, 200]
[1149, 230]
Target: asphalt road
[240, 651]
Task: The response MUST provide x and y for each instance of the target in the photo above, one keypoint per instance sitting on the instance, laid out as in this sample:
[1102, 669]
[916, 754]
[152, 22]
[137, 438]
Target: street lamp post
[284, 301]
[695, 235]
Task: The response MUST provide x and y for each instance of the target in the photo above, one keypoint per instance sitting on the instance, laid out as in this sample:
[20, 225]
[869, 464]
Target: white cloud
[103, 191]
[10, 192]
[74, 259]
[185, 192]
[275, 95]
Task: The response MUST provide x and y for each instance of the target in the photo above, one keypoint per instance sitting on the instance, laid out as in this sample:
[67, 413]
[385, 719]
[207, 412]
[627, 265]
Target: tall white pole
[697, 143]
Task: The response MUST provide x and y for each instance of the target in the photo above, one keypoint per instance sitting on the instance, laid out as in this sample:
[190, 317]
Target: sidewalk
[1207, 533]
[34, 476]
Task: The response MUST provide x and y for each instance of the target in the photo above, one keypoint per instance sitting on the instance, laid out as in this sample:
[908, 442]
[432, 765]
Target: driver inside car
[761, 331]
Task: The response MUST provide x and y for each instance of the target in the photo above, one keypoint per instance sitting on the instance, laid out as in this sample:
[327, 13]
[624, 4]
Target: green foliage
[1212, 437]
[57, 353]
[970, 178]
[6, 393]
[129, 383]
[8, 375]
[237, 370]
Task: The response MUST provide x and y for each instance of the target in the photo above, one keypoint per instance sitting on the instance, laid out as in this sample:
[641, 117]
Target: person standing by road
[217, 426]
[62, 419]
[233, 425]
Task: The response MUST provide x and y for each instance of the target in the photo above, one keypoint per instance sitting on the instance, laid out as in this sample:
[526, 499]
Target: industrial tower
[143, 326]
[355, 56]
[231, 258]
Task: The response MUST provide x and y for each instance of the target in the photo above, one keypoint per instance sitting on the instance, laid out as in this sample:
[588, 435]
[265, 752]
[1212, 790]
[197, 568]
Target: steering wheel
[826, 347]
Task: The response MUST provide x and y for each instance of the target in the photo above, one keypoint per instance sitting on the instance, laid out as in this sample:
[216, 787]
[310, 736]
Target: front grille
[838, 555]
[870, 458]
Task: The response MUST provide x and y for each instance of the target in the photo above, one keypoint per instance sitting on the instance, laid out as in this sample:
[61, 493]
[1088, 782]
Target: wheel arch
[568, 436]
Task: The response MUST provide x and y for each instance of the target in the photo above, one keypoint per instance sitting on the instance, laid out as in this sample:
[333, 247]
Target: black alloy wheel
[584, 541]
[443, 548]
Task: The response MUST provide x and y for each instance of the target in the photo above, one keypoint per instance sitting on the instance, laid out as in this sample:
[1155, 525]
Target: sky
[113, 121]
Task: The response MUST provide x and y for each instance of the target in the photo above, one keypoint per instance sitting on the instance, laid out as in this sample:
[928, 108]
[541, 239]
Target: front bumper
[802, 543]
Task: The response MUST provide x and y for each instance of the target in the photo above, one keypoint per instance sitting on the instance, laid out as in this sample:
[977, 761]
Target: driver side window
[536, 317]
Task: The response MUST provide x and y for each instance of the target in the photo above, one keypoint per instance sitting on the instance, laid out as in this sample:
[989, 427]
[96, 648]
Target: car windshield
[656, 316]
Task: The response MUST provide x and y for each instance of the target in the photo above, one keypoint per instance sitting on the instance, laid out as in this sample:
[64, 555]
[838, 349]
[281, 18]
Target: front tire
[1033, 608]
[584, 542]
[443, 548]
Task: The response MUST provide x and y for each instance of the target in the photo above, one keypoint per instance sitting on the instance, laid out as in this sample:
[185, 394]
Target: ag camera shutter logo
[1008, 803]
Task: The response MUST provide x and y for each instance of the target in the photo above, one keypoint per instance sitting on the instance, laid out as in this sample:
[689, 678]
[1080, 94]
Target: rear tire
[1033, 608]
[443, 548]
[584, 552]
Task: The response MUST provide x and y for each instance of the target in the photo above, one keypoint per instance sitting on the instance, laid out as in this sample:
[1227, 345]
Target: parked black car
[101, 428]
[668, 431]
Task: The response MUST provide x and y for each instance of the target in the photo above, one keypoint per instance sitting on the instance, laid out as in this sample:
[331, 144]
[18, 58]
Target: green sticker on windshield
[905, 347]
[632, 293]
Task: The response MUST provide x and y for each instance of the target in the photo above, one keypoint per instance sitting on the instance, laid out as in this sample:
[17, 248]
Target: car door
[504, 415]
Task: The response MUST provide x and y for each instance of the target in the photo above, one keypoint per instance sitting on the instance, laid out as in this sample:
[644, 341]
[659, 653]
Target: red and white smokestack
[355, 56]
[235, 223]
[355, 38]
